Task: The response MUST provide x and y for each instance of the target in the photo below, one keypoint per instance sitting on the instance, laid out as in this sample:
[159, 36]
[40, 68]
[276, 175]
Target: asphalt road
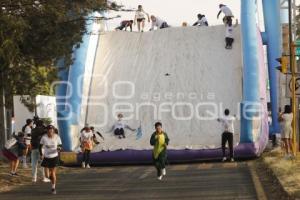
[207, 181]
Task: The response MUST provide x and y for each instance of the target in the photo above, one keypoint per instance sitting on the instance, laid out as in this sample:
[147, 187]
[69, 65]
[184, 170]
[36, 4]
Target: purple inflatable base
[242, 151]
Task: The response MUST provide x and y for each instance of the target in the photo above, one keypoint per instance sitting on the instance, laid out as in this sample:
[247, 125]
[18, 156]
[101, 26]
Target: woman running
[140, 18]
[51, 143]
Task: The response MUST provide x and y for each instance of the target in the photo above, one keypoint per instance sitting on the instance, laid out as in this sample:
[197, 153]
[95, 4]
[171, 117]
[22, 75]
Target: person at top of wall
[119, 127]
[227, 12]
[140, 18]
[202, 21]
[125, 24]
[159, 23]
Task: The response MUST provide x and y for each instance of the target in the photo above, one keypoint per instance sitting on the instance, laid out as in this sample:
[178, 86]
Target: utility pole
[293, 72]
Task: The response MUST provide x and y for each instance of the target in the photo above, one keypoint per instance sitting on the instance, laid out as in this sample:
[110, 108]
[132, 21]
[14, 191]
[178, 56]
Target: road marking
[261, 195]
[105, 170]
[204, 166]
[179, 167]
[230, 165]
[129, 169]
[147, 173]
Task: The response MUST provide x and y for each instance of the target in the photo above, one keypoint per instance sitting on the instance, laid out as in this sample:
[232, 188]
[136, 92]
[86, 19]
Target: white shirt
[227, 12]
[119, 124]
[140, 14]
[201, 22]
[158, 23]
[287, 119]
[50, 145]
[86, 136]
[227, 123]
[27, 133]
[229, 31]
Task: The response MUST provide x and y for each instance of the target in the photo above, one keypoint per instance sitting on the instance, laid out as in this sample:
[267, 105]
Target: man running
[227, 12]
[125, 24]
[159, 23]
[228, 131]
[202, 21]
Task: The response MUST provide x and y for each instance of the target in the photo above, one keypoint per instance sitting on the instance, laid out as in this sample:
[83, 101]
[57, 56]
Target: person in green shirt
[159, 140]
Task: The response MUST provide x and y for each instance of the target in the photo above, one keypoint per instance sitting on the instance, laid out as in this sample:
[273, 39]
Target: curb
[270, 173]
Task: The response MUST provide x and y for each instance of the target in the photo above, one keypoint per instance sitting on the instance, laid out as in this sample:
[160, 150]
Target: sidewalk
[8, 182]
[286, 171]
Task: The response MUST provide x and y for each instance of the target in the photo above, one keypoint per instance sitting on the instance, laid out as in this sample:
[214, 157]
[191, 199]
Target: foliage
[34, 35]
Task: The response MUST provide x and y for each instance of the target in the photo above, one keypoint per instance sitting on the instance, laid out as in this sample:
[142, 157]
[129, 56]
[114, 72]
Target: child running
[140, 18]
[228, 131]
[160, 141]
[125, 24]
[119, 127]
[51, 144]
[86, 140]
[227, 12]
[202, 21]
[11, 151]
[159, 23]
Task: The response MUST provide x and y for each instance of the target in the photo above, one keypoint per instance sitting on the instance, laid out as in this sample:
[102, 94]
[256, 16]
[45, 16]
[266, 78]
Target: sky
[177, 11]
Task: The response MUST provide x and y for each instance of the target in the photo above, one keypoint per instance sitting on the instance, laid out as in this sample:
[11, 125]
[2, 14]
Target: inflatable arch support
[254, 130]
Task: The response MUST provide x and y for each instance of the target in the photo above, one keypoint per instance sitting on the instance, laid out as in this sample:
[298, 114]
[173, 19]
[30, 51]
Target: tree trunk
[3, 130]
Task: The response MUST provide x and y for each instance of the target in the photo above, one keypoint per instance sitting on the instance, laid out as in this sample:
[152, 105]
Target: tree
[34, 34]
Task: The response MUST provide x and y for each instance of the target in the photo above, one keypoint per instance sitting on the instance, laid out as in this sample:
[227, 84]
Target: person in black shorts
[51, 144]
[140, 18]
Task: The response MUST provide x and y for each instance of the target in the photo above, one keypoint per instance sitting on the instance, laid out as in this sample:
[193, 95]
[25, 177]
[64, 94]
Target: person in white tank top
[140, 18]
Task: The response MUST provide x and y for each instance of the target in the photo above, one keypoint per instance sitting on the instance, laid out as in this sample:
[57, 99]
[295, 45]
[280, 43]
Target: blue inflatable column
[272, 38]
[68, 109]
[251, 99]
[61, 101]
